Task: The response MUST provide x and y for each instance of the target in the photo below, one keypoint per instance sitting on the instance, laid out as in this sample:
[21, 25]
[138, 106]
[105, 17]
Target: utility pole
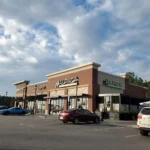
[6, 97]
[24, 101]
[76, 92]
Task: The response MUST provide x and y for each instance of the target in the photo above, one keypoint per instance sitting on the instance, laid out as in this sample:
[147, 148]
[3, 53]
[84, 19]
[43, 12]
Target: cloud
[133, 12]
[46, 36]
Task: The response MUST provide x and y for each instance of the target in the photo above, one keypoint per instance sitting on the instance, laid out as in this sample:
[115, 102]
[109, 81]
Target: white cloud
[4, 59]
[48, 35]
[131, 11]
[31, 60]
[124, 56]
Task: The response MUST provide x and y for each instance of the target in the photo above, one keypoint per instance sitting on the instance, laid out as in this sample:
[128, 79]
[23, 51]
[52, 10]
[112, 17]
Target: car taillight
[139, 116]
[65, 114]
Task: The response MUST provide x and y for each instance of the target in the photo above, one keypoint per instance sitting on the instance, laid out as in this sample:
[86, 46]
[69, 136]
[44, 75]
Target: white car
[143, 121]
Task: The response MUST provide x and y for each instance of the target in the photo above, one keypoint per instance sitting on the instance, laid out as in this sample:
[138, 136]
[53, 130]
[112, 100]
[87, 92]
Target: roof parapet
[96, 65]
[20, 82]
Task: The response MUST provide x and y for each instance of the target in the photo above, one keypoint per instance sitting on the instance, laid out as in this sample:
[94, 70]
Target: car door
[16, 110]
[81, 115]
[88, 115]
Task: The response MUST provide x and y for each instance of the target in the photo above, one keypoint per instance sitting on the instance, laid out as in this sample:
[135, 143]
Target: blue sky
[41, 37]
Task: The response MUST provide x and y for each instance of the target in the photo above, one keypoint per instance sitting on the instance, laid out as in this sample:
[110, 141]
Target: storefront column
[65, 104]
[46, 107]
[90, 104]
[66, 100]
[23, 105]
[15, 103]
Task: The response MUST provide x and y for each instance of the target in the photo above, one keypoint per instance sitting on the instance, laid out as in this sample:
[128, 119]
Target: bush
[127, 115]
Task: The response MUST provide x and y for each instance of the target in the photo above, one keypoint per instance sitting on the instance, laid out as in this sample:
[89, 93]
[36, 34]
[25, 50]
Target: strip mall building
[83, 85]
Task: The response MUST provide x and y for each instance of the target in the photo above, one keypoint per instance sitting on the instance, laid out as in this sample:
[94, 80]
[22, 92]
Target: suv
[143, 121]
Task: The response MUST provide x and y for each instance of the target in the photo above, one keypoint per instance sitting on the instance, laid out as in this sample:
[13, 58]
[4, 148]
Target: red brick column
[93, 89]
[65, 104]
[90, 104]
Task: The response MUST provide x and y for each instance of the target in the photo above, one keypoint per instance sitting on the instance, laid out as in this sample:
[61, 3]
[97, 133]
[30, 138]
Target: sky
[39, 37]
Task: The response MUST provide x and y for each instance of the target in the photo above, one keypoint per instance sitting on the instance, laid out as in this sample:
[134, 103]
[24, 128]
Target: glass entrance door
[56, 106]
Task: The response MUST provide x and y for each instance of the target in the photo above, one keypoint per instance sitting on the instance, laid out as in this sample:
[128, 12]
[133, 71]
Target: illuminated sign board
[112, 84]
[67, 82]
[41, 87]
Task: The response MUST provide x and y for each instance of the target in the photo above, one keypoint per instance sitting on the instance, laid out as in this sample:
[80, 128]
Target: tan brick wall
[39, 91]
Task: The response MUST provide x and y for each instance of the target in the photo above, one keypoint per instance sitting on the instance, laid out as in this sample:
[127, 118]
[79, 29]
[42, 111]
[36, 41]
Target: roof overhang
[65, 96]
[20, 82]
[145, 103]
[109, 94]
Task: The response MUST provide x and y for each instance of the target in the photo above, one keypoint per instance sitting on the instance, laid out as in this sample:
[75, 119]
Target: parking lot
[37, 133]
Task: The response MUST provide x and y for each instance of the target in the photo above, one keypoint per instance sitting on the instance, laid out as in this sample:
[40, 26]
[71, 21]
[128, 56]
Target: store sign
[41, 87]
[67, 82]
[113, 84]
[20, 90]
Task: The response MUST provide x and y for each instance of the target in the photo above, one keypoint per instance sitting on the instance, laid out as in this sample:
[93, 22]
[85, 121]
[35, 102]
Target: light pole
[24, 97]
[35, 99]
[76, 93]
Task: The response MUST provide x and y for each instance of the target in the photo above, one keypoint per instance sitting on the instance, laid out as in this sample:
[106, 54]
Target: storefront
[84, 86]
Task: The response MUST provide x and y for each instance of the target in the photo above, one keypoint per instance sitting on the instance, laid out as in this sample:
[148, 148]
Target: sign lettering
[113, 84]
[67, 82]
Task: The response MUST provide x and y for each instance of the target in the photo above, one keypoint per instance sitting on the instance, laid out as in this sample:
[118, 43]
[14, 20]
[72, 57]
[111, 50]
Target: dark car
[3, 107]
[14, 111]
[78, 115]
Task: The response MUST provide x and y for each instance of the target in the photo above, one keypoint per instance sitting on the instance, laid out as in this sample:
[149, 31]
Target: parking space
[34, 132]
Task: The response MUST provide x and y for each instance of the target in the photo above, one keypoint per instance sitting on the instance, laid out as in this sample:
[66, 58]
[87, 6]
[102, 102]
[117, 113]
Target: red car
[78, 115]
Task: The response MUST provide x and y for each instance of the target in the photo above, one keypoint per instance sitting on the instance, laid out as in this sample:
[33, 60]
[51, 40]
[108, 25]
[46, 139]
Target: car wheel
[144, 133]
[65, 121]
[6, 113]
[76, 121]
[96, 120]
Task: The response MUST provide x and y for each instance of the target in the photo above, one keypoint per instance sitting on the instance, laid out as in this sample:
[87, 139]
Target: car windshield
[146, 111]
[70, 110]
[11, 108]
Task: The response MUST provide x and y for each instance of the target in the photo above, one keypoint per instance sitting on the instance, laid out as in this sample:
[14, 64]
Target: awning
[65, 96]
[109, 94]
[145, 103]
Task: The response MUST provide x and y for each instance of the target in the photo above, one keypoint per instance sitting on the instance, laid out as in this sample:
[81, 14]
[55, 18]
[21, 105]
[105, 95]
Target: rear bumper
[145, 129]
[65, 118]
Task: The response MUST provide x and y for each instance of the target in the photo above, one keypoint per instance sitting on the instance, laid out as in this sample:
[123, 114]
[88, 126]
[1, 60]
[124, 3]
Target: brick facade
[89, 84]
[134, 90]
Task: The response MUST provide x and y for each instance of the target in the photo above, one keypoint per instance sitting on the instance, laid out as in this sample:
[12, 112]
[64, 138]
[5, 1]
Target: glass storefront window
[115, 99]
[56, 106]
[82, 101]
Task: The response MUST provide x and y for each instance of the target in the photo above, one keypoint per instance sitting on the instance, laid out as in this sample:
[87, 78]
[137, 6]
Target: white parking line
[26, 125]
[98, 129]
[129, 136]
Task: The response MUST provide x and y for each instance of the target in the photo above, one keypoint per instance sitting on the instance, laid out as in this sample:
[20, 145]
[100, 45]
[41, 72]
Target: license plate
[61, 118]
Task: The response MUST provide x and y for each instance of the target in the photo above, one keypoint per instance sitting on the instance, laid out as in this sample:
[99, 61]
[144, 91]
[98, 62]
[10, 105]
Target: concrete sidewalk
[132, 124]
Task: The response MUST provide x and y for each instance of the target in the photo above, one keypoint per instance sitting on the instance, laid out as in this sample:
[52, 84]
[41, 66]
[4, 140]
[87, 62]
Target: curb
[133, 126]
[122, 125]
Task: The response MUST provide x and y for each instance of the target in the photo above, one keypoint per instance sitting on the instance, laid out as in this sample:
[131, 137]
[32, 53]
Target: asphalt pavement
[40, 133]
